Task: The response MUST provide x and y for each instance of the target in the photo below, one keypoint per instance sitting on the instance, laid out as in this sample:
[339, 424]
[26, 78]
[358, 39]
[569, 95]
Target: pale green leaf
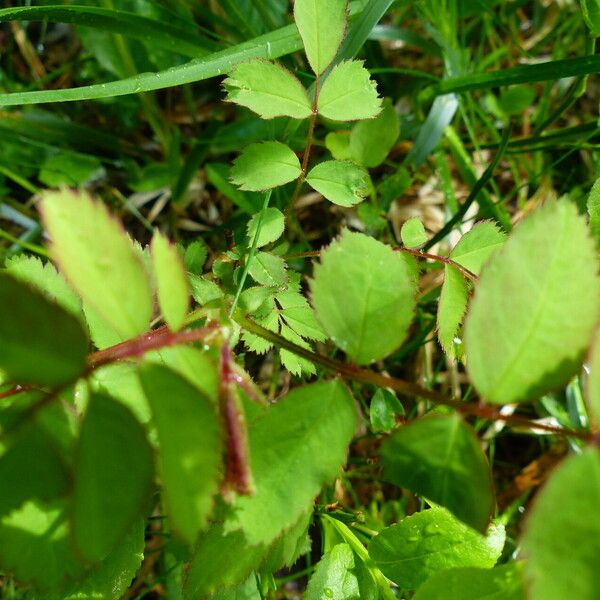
[413, 233]
[439, 457]
[267, 89]
[321, 26]
[101, 333]
[593, 208]
[334, 576]
[190, 448]
[471, 583]
[41, 343]
[268, 269]
[108, 273]
[341, 182]
[349, 93]
[205, 291]
[371, 140]
[476, 247]
[272, 223]
[264, 166]
[520, 335]
[593, 382]
[295, 364]
[113, 477]
[338, 143]
[451, 308]
[562, 534]
[297, 313]
[431, 541]
[296, 447]
[383, 410]
[171, 282]
[363, 296]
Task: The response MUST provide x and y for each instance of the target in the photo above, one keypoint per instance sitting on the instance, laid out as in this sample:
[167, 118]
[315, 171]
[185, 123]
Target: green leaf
[69, 168]
[195, 256]
[562, 533]
[363, 295]
[590, 10]
[272, 223]
[431, 541]
[296, 447]
[413, 233]
[349, 93]
[341, 182]
[383, 410]
[371, 141]
[268, 89]
[439, 457]
[295, 310]
[322, 26]
[268, 269]
[107, 274]
[520, 335]
[205, 291]
[593, 208]
[171, 282]
[335, 576]
[31, 351]
[190, 448]
[469, 583]
[451, 308]
[476, 247]
[264, 166]
[245, 591]
[295, 364]
[338, 143]
[593, 382]
[113, 477]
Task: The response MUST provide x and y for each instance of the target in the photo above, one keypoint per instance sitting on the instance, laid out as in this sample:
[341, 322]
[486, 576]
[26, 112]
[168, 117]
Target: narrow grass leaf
[267, 89]
[342, 182]
[108, 273]
[520, 335]
[171, 282]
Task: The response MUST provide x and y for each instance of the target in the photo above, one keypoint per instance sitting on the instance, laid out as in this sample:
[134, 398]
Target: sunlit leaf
[272, 223]
[477, 245]
[268, 269]
[341, 182]
[451, 308]
[413, 233]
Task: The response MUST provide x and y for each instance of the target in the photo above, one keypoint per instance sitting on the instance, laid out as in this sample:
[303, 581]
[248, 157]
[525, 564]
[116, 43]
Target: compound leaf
[440, 458]
[272, 223]
[108, 273]
[264, 166]
[341, 182]
[520, 335]
[349, 93]
[363, 296]
[267, 89]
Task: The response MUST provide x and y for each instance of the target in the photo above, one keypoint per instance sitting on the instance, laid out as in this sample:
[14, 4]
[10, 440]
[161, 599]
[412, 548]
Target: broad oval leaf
[413, 233]
[476, 247]
[321, 26]
[268, 269]
[108, 273]
[535, 307]
[268, 89]
[341, 182]
[470, 583]
[439, 457]
[171, 282]
[431, 541]
[296, 447]
[451, 308]
[562, 533]
[189, 447]
[264, 166]
[41, 343]
[113, 477]
[272, 223]
[363, 295]
[349, 93]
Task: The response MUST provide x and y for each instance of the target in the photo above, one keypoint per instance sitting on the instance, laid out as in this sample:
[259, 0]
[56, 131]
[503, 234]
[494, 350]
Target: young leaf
[431, 541]
[349, 93]
[440, 458]
[171, 282]
[470, 583]
[195, 257]
[520, 335]
[593, 382]
[264, 166]
[321, 26]
[477, 245]
[593, 207]
[267, 89]
[190, 447]
[268, 269]
[562, 534]
[272, 223]
[341, 182]
[451, 308]
[338, 143]
[41, 343]
[383, 410]
[113, 477]
[363, 295]
[371, 140]
[108, 273]
[413, 233]
[297, 446]
[295, 364]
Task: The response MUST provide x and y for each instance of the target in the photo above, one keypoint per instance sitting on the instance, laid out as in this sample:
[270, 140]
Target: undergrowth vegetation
[299, 300]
